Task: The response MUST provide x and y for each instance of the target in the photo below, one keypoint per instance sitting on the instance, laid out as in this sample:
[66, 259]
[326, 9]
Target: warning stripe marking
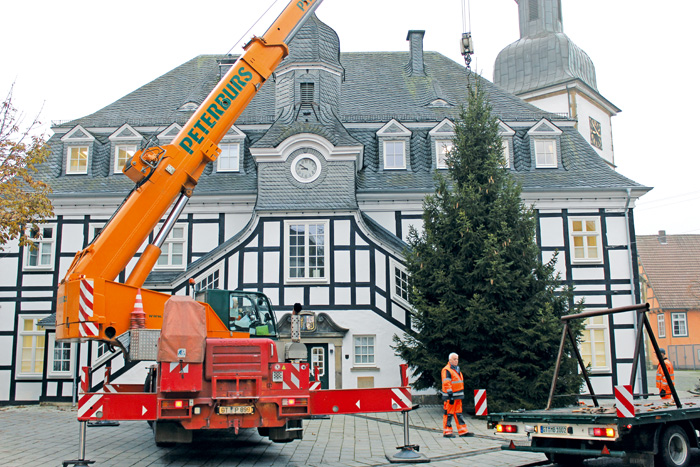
[292, 376]
[86, 403]
[85, 309]
[624, 401]
[402, 396]
[480, 406]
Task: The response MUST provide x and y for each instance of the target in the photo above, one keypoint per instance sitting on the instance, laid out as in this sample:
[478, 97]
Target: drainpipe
[629, 242]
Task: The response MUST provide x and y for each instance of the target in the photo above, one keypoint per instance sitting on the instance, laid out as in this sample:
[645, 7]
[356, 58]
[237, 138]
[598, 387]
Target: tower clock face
[306, 168]
[596, 136]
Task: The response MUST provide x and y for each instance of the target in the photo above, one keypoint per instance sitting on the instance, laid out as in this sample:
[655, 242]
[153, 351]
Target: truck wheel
[674, 449]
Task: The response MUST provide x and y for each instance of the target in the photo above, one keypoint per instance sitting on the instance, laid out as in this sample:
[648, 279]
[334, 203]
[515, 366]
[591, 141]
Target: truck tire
[168, 434]
[674, 448]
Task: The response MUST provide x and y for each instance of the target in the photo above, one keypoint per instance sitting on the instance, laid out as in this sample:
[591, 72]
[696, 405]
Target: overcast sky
[73, 57]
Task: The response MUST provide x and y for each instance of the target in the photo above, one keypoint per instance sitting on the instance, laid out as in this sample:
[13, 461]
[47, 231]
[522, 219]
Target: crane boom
[89, 304]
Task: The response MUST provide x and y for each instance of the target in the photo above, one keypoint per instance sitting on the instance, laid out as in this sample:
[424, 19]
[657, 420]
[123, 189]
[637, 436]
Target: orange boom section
[165, 176]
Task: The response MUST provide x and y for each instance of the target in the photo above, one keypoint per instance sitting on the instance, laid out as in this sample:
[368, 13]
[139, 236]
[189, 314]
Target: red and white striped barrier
[480, 407]
[624, 399]
[85, 309]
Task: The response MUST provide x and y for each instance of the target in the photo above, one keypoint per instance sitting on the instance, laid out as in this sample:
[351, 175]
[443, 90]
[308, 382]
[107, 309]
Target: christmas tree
[479, 285]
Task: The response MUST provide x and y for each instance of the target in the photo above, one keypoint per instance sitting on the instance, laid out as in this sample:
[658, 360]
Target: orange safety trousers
[453, 411]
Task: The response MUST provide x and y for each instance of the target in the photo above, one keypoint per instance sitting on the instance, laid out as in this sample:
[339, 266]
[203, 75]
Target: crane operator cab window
[251, 314]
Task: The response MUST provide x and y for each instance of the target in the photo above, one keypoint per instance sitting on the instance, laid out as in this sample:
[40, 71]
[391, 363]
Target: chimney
[415, 65]
[662, 237]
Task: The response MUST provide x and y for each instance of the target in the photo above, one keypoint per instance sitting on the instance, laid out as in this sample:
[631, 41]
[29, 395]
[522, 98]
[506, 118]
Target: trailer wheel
[674, 449]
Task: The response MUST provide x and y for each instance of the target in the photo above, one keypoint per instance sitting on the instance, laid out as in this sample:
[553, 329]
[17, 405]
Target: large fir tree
[479, 286]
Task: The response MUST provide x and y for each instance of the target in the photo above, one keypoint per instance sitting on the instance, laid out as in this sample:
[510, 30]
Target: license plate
[554, 429]
[235, 410]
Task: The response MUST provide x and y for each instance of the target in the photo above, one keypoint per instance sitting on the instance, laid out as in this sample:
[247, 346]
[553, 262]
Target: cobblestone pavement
[48, 435]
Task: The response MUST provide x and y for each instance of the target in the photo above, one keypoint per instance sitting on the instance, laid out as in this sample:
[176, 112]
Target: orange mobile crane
[210, 373]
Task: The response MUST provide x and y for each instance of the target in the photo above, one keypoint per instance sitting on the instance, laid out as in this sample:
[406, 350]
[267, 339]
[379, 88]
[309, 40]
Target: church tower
[544, 67]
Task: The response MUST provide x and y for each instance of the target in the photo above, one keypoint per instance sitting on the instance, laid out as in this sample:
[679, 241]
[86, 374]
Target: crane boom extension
[89, 304]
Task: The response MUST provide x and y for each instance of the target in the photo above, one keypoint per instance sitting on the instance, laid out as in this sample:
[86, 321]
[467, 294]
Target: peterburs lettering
[210, 117]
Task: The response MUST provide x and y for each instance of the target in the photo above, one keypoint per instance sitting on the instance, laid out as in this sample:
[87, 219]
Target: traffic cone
[138, 317]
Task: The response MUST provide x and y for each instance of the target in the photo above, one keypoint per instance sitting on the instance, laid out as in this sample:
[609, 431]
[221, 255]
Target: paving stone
[48, 435]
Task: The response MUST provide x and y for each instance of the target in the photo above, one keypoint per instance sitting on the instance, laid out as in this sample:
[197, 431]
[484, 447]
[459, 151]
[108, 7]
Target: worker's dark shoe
[469, 434]
[449, 435]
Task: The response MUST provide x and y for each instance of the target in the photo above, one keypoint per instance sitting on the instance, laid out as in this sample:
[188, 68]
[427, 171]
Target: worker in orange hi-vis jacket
[661, 383]
[452, 394]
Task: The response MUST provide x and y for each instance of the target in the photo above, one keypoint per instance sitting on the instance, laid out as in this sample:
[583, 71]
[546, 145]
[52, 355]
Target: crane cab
[242, 311]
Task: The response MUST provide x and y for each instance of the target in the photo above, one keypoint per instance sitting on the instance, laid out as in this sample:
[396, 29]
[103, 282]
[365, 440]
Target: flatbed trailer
[640, 428]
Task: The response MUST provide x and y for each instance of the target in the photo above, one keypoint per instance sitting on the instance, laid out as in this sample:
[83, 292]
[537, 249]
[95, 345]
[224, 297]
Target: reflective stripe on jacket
[452, 381]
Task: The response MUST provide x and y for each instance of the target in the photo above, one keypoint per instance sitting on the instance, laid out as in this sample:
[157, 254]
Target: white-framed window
[594, 344]
[442, 149]
[101, 352]
[60, 357]
[679, 325]
[40, 256]
[394, 155]
[229, 159]
[209, 282]
[400, 284]
[123, 153]
[318, 360]
[31, 343]
[506, 153]
[77, 162]
[545, 153]
[307, 251]
[174, 250]
[661, 325]
[585, 240]
[95, 230]
[363, 350]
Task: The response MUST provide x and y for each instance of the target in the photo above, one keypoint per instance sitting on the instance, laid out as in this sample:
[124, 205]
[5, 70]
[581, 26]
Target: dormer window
[188, 107]
[126, 141]
[544, 144]
[506, 133]
[122, 154]
[442, 136]
[506, 153]
[168, 135]
[545, 153]
[231, 151]
[394, 155]
[228, 160]
[442, 150]
[394, 140]
[77, 160]
[77, 146]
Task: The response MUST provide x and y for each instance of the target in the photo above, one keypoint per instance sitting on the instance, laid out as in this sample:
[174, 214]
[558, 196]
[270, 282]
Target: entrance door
[318, 358]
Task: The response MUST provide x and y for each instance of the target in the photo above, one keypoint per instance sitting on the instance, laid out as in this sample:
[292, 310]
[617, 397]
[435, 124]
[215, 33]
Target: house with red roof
[669, 270]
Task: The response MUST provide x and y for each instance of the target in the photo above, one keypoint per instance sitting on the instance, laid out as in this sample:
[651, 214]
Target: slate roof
[376, 87]
[672, 269]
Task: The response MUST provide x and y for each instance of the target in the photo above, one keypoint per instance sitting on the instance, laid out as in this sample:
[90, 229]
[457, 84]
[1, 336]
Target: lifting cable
[199, 87]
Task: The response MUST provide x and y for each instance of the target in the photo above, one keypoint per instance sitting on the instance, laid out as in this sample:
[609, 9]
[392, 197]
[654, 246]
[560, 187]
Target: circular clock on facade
[306, 168]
